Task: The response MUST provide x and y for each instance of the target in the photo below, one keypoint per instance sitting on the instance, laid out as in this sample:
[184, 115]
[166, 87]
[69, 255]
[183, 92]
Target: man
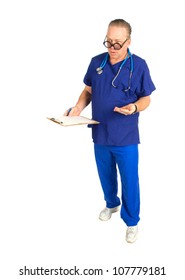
[118, 84]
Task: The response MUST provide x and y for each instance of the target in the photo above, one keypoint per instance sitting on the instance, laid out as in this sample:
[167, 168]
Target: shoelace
[131, 230]
[106, 211]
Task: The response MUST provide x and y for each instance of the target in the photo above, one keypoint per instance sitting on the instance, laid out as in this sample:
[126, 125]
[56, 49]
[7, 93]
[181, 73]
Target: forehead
[116, 32]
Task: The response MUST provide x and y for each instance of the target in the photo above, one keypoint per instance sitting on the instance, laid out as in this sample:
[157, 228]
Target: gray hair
[122, 23]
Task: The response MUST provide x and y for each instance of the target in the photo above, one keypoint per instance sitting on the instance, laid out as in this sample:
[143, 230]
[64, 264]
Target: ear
[128, 42]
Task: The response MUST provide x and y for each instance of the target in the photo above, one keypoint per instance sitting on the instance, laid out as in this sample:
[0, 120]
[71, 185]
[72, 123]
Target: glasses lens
[107, 44]
[117, 46]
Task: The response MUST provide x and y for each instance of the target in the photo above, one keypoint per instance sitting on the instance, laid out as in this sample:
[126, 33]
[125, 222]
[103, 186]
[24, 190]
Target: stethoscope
[99, 70]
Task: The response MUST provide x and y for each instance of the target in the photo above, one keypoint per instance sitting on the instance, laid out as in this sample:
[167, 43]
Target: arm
[142, 103]
[83, 101]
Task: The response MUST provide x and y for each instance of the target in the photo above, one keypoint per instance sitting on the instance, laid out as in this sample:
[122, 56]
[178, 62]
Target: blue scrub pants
[109, 159]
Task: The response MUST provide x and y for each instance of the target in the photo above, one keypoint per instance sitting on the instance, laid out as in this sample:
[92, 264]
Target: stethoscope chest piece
[99, 70]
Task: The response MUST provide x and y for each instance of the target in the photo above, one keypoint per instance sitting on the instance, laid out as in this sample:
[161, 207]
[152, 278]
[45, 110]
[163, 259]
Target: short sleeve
[87, 78]
[145, 85]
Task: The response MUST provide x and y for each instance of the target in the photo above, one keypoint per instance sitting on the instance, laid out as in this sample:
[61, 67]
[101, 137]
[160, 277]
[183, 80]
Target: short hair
[122, 23]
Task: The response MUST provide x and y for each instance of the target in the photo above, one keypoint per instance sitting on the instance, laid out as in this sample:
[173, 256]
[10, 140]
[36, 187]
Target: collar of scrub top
[99, 70]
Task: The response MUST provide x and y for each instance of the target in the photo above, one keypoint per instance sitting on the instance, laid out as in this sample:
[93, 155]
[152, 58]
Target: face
[117, 34]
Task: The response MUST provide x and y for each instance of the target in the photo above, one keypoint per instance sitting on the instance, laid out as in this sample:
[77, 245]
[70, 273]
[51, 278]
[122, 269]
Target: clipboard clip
[54, 120]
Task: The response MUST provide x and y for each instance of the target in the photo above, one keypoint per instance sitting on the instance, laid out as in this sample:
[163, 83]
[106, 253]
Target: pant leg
[127, 161]
[107, 171]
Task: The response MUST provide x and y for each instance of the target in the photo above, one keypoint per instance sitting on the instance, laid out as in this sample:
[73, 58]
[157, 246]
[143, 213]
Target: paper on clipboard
[73, 120]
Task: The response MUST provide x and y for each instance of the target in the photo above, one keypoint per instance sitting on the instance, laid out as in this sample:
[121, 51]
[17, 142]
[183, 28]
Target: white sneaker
[131, 234]
[106, 213]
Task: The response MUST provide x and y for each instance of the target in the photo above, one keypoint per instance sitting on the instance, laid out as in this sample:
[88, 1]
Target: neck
[114, 60]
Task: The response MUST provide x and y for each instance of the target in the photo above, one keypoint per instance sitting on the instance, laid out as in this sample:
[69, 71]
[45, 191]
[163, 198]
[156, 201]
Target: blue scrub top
[114, 128]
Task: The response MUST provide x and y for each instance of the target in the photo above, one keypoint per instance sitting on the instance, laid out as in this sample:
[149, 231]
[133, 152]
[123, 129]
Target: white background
[50, 195]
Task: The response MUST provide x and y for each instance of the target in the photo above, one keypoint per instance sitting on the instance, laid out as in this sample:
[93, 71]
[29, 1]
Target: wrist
[136, 109]
[78, 108]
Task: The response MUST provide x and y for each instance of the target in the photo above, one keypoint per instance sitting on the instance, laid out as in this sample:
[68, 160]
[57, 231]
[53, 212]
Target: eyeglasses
[116, 46]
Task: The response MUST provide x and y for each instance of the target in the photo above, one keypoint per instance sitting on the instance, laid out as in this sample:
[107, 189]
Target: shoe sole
[132, 241]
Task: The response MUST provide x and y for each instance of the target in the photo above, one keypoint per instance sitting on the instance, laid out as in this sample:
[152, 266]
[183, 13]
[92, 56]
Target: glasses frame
[113, 45]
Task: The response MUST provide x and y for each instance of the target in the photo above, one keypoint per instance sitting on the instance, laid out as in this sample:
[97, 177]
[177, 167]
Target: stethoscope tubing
[99, 70]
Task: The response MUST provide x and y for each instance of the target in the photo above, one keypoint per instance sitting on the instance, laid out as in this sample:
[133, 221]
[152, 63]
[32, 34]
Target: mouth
[112, 52]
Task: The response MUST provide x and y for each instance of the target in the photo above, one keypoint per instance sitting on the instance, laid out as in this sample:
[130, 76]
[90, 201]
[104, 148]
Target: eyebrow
[116, 40]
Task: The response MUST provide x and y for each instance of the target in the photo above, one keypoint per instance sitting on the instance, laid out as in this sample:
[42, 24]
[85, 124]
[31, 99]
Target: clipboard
[72, 120]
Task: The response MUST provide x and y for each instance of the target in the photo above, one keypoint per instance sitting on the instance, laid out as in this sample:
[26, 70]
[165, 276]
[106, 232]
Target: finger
[117, 109]
[67, 113]
[125, 111]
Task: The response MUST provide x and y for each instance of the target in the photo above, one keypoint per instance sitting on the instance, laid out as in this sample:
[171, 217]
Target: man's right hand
[73, 111]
